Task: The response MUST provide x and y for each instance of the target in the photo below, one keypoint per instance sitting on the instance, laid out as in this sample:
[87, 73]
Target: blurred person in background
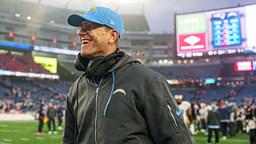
[233, 122]
[203, 116]
[117, 99]
[1, 106]
[213, 123]
[251, 123]
[60, 116]
[240, 116]
[225, 118]
[185, 106]
[197, 119]
[51, 115]
[194, 119]
[40, 118]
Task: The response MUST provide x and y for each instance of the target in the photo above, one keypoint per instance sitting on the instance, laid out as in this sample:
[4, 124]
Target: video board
[243, 66]
[48, 63]
[218, 32]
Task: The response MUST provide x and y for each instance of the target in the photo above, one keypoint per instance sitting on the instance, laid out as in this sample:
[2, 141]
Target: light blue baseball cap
[100, 15]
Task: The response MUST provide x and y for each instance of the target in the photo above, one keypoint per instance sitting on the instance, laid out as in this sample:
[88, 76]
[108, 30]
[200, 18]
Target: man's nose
[81, 32]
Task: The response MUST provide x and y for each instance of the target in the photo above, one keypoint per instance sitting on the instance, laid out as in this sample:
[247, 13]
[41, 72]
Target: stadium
[205, 50]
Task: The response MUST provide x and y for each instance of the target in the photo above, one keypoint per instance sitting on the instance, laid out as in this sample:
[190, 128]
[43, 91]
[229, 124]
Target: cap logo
[94, 9]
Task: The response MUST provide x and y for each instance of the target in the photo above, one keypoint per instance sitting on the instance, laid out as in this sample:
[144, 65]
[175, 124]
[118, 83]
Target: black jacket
[132, 105]
[213, 119]
[51, 112]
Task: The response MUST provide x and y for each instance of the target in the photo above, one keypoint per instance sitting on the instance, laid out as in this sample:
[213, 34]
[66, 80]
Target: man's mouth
[85, 41]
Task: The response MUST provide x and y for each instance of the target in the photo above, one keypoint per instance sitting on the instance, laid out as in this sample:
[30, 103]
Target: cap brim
[76, 19]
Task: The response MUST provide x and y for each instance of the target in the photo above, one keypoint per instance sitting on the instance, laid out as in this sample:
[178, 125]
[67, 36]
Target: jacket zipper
[170, 111]
[96, 115]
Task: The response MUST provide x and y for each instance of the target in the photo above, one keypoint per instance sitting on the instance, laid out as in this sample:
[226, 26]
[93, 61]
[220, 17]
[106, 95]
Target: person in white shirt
[185, 107]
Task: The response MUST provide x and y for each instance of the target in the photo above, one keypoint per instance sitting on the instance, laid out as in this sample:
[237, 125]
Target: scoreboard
[226, 29]
[218, 32]
[244, 66]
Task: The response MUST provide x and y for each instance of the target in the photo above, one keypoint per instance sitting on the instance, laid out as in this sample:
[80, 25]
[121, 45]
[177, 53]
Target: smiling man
[117, 100]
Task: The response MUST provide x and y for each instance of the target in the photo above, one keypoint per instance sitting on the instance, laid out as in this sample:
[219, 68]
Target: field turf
[24, 132]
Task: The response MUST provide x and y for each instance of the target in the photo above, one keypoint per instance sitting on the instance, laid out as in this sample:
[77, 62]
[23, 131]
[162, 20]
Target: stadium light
[74, 43]
[17, 14]
[11, 34]
[165, 61]
[29, 17]
[54, 40]
[52, 22]
[170, 61]
[33, 38]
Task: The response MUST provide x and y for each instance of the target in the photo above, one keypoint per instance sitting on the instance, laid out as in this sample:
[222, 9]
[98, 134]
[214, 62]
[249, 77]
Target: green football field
[25, 133]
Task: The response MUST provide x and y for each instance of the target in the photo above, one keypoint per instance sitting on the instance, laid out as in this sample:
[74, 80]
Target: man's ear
[113, 37]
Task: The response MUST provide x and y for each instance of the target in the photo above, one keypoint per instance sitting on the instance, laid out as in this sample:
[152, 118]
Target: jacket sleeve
[69, 129]
[162, 115]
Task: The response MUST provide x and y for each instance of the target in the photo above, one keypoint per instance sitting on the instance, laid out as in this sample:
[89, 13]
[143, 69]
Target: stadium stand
[188, 71]
[20, 63]
[41, 13]
[228, 70]
[245, 92]
[24, 94]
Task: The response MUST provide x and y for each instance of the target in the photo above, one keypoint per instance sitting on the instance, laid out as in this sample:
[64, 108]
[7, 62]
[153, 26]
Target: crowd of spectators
[25, 96]
[225, 117]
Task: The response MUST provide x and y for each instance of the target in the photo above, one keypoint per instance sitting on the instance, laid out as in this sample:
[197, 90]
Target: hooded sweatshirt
[130, 105]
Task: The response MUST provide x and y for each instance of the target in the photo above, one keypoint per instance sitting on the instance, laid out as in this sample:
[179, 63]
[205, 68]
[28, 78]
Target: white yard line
[41, 138]
[24, 139]
[234, 140]
[7, 140]
[4, 142]
[3, 125]
[10, 131]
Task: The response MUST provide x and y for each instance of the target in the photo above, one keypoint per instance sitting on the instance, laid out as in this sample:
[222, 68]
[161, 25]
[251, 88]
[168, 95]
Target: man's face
[178, 101]
[94, 39]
